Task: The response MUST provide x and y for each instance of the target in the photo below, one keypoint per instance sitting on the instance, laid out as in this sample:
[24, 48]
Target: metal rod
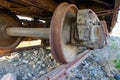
[42, 33]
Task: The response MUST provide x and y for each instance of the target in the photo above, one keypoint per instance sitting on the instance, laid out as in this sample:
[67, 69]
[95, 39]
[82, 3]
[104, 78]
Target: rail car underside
[70, 26]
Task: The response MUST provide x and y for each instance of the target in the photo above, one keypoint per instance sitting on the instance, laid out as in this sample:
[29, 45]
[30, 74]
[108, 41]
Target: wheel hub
[89, 29]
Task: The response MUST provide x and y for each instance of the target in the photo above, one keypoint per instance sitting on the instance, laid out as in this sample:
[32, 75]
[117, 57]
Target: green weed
[113, 45]
[117, 62]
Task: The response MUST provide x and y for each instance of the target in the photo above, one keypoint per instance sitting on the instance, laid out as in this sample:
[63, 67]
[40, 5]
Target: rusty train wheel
[7, 43]
[63, 17]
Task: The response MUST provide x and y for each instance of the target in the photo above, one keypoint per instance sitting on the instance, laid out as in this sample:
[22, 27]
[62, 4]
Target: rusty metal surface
[7, 20]
[61, 22]
[106, 33]
[5, 4]
[45, 8]
[89, 32]
[44, 4]
[115, 14]
[60, 72]
[105, 12]
[30, 10]
[102, 2]
[105, 29]
[26, 8]
[89, 29]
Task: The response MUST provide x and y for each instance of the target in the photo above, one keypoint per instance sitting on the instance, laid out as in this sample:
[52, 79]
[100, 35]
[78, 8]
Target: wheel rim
[63, 17]
[7, 19]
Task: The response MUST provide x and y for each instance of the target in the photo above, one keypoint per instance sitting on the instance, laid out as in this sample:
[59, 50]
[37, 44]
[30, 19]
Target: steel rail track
[60, 72]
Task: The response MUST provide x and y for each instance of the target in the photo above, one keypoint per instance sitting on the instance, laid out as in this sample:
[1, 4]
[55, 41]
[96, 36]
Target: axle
[42, 33]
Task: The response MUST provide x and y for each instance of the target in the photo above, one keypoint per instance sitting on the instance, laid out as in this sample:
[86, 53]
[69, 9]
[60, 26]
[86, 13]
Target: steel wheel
[7, 43]
[61, 23]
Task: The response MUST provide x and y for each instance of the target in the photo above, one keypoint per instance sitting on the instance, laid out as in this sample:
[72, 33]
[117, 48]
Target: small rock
[50, 56]
[10, 60]
[32, 58]
[20, 59]
[25, 77]
[34, 66]
[27, 52]
[42, 72]
[35, 52]
[34, 78]
[31, 63]
[36, 59]
[25, 61]
[78, 76]
[14, 54]
[39, 67]
[30, 75]
[117, 76]
[15, 64]
[9, 76]
[86, 65]
[72, 78]
[26, 66]
[40, 62]
[106, 78]
[24, 54]
[43, 65]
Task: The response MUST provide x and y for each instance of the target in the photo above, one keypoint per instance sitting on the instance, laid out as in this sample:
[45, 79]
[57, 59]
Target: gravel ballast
[30, 64]
[99, 65]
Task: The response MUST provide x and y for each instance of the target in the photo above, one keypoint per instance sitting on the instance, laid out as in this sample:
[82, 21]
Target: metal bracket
[89, 29]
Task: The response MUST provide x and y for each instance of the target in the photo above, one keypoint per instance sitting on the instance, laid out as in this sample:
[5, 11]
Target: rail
[60, 72]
